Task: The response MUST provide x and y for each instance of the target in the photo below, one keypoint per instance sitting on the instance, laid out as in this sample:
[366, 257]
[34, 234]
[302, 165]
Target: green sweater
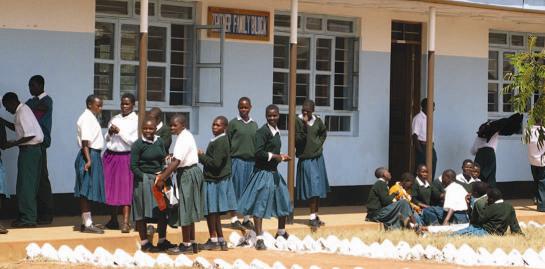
[478, 209]
[421, 194]
[436, 190]
[242, 138]
[147, 158]
[378, 197]
[165, 134]
[217, 160]
[497, 217]
[265, 142]
[309, 140]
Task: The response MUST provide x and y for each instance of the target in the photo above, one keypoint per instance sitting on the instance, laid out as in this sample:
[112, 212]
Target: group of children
[416, 203]
[239, 173]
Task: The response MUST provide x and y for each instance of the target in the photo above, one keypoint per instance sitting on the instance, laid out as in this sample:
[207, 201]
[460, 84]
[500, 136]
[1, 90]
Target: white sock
[259, 237]
[187, 244]
[214, 239]
[313, 216]
[281, 231]
[161, 240]
[86, 219]
[234, 219]
[246, 218]
[143, 242]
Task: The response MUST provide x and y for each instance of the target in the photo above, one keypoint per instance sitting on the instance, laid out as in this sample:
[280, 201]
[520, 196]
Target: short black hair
[244, 98]
[494, 194]
[130, 96]
[480, 188]
[420, 166]
[180, 118]
[90, 99]
[38, 79]
[476, 165]
[271, 107]
[223, 119]
[406, 177]
[467, 161]
[450, 173]
[424, 103]
[149, 118]
[9, 97]
[309, 102]
[379, 172]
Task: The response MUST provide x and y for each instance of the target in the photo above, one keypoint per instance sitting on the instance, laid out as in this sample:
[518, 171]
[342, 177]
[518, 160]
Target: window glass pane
[337, 123]
[284, 21]
[176, 12]
[156, 83]
[281, 52]
[314, 23]
[282, 122]
[302, 88]
[151, 8]
[322, 90]
[497, 38]
[540, 42]
[280, 88]
[105, 116]
[507, 67]
[104, 40]
[157, 44]
[128, 79]
[517, 40]
[507, 102]
[103, 80]
[323, 54]
[180, 68]
[493, 65]
[345, 81]
[340, 26]
[129, 42]
[492, 97]
[303, 53]
[112, 7]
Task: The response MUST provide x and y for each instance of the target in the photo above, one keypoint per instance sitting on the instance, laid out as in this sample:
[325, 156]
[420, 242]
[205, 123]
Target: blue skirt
[312, 178]
[220, 196]
[241, 171]
[265, 196]
[3, 188]
[90, 184]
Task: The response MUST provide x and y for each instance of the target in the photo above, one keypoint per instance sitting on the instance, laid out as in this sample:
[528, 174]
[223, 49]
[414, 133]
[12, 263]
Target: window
[170, 50]
[327, 67]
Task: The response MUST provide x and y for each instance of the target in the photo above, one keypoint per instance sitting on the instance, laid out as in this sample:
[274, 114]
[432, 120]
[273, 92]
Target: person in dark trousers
[419, 132]
[29, 163]
[537, 164]
[41, 105]
[3, 188]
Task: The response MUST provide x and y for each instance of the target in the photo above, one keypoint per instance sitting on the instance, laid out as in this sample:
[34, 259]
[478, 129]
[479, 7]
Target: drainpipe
[291, 99]
[142, 67]
[430, 106]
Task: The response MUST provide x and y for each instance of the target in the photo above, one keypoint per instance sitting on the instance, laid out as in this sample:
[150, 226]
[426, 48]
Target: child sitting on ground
[404, 188]
[385, 208]
[477, 201]
[466, 178]
[455, 205]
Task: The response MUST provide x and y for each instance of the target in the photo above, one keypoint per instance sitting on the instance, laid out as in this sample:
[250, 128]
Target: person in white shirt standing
[419, 131]
[536, 158]
[118, 177]
[484, 149]
[29, 139]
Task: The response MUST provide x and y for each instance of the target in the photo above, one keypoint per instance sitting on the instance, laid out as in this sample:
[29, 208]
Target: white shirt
[535, 154]
[245, 122]
[460, 177]
[150, 141]
[216, 137]
[89, 129]
[274, 131]
[309, 122]
[422, 183]
[128, 132]
[419, 126]
[42, 95]
[159, 126]
[185, 149]
[455, 197]
[27, 125]
[481, 143]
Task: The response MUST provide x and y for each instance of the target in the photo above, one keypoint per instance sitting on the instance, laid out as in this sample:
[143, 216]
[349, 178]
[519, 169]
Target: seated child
[478, 201]
[403, 188]
[454, 206]
[476, 173]
[495, 219]
[466, 178]
[381, 207]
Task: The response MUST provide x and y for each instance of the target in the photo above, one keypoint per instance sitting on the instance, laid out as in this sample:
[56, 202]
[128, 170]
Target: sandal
[125, 228]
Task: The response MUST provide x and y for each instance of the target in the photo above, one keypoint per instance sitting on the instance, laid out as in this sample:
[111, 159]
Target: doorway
[405, 64]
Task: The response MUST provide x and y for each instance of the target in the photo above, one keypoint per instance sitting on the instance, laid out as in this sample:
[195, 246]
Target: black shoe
[223, 246]
[260, 245]
[314, 223]
[285, 235]
[237, 226]
[3, 230]
[249, 225]
[320, 221]
[150, 231]
[195, 247]
[45, 221]
[112, 225]
[209, 245]
[165, 245]
[180, 249]
[91, 229]
[19, 224]
[149, 247]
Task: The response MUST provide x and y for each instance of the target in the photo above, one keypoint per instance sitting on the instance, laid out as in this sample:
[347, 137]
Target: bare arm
[448, 217]
[86, 154]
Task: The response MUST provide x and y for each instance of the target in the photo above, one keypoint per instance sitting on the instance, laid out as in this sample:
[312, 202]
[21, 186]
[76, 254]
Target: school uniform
[484, 150]
[537, 166]
[3, 140]
[477, 208]
[28, 173]
[118, 177]
[147, 159]
[454, 199]
[311, 177]
[419, 126]
[163, 131]
[466, 183]
[407, 195]
[495, 220]
[45, 119]
[267, 194]
[189, 180]
[241, 135]
[90, 184]
[220, 194]
[385, 208]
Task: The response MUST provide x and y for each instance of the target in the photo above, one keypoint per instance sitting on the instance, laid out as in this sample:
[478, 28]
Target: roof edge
[483, 6]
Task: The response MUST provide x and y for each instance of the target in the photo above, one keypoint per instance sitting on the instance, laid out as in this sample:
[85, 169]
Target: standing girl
[89, 185]
[118, 177]
[312, 182]
[241, 133]
[147, 159]
[190, 183]
[267, 194]
[220, 194]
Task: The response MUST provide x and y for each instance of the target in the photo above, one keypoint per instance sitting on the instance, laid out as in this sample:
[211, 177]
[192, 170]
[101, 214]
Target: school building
[364, 62]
